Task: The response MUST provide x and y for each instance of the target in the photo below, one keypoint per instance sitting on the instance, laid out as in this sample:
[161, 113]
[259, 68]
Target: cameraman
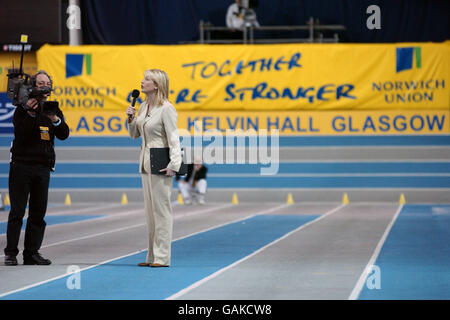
[32, 158]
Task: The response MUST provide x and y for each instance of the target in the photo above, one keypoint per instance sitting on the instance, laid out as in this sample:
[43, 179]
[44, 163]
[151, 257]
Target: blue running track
[193, 258]
[414, 262]
[290, 175]
[284, 141]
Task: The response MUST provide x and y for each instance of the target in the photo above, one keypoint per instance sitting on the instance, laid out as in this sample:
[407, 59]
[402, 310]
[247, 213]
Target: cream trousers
[187, 189]
[157, 191]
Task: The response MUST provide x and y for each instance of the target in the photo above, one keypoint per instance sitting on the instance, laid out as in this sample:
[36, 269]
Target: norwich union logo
[76, 63]
[405, 58]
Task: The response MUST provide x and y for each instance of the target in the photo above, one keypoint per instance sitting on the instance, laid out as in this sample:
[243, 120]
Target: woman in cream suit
[156, 123]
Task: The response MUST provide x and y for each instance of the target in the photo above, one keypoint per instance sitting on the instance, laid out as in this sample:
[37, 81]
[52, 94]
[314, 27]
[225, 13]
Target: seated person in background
[241, 12]
[194, 184]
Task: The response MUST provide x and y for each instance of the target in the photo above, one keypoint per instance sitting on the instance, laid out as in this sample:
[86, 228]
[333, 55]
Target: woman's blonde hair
[161, 80]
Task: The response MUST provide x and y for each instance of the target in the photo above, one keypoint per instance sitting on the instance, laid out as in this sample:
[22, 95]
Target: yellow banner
[256, 77]
[286, 122]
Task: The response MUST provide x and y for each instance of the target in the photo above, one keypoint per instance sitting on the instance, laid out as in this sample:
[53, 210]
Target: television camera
[21, 88]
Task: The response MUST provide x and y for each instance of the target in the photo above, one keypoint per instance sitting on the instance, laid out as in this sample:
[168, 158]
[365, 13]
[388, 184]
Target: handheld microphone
[135, 95]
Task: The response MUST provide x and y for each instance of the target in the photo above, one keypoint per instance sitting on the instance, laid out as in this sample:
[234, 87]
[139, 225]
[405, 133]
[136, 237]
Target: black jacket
[34, 138]
[200, 174]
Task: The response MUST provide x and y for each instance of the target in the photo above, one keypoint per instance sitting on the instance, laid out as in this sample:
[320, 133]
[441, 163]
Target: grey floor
[321, 260]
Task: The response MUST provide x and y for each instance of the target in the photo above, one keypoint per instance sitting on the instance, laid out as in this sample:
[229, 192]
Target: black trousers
[27, 182]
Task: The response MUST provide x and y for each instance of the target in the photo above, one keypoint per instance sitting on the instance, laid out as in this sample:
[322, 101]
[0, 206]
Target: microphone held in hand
[135, 95]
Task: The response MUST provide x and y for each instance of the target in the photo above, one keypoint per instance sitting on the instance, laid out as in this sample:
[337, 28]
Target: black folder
[160, 158]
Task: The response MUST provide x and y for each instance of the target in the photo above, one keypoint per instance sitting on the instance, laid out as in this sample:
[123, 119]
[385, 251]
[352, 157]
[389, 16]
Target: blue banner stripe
[414, 262]
[193, 259]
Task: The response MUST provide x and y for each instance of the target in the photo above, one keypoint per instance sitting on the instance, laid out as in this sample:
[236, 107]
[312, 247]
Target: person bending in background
[32, 159]
[156, 123]
[240, 14]
[193, 186]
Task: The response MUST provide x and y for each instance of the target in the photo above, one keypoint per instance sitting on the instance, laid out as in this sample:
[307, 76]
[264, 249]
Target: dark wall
[175, 21]
[40, 20]
[44, 21]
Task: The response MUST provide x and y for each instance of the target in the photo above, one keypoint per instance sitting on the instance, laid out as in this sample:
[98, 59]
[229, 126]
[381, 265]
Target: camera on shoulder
[21, 87]
[20, 90]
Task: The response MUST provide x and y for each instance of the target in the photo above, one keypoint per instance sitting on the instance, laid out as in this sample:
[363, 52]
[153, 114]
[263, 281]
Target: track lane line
[175, 217]
[362, 279]
[69, 210]
[215, 274]
[139, 251]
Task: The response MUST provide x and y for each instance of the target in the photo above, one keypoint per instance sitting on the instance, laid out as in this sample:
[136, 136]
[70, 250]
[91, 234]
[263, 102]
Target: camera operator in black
[32, 159]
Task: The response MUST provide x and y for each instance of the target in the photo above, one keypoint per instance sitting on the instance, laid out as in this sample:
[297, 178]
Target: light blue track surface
[415, 259]
[260, 182]
[52, 220]
[284, 141]
[315, 175]
[193, 258]
[284, 168]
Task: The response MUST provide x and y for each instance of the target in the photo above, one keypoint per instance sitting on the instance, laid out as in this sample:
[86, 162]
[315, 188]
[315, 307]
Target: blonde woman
[156, 124]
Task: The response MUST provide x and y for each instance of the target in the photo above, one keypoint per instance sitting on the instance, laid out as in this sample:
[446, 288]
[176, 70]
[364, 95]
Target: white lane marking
[132, 226]
[136, 252]
[62, 276]
[239, 219]
[362, 279]
[104, 217]
[93, 235]
[65, 208]
[70, 211]
[193, 213]
[215, 274]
